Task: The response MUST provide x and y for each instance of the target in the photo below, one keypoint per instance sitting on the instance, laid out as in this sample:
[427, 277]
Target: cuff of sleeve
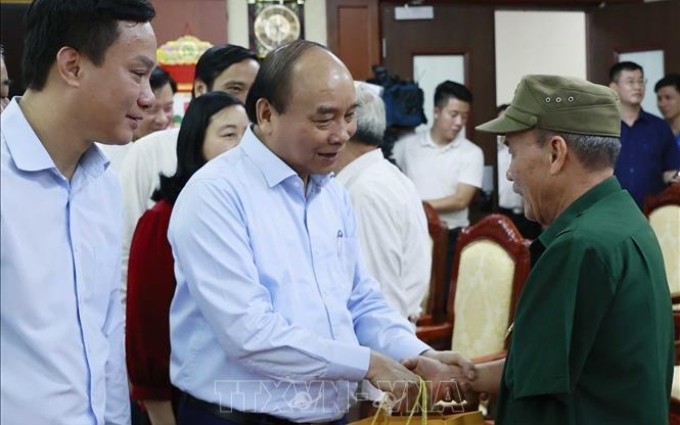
[406, 348]
[140, 393]
[347, 362]
[472, 182]
[537, 387]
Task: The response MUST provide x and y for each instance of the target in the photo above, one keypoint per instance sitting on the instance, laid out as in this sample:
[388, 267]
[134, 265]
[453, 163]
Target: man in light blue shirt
[274, 318]
[87, 66]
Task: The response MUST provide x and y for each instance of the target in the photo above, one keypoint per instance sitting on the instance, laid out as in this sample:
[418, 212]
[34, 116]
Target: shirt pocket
[346, 265]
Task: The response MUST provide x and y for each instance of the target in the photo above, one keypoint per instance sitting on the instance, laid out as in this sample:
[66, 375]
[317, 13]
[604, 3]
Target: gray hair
[594, 152]
[370, 114]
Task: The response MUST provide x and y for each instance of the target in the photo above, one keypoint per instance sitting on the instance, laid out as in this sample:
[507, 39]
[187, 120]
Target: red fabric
[151, 286]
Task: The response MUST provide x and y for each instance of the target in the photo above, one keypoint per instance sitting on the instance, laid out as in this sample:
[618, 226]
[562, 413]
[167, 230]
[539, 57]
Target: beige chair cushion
[675, 389]
[483, 293]
[666, 224]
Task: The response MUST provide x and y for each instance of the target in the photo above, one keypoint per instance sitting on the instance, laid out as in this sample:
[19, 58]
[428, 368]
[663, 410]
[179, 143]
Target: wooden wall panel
[353, 24]
[207, 19]
[617, 29]
[353, 34]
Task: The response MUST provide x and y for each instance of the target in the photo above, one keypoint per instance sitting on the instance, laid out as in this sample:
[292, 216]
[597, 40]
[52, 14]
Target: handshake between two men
[451, 379]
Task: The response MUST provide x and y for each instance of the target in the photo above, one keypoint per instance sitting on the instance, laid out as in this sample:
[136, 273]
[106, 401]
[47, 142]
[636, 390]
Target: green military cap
[562, 104]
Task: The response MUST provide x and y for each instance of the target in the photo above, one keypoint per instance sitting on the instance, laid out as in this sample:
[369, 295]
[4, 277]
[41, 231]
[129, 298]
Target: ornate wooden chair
[434, 305]
[491, 263]
[663, 212]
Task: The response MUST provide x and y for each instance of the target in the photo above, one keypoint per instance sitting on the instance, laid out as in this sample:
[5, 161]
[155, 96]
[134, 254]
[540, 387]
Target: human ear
[558, 153]
[264, 113]
[200, 88]
[69, 65]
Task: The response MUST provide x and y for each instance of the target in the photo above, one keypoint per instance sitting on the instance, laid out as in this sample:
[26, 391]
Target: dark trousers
[193, 415]
[197, 412]
[137, 415]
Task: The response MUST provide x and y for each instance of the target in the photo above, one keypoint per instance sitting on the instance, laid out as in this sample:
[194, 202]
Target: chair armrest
[424, 320]
[438, 336]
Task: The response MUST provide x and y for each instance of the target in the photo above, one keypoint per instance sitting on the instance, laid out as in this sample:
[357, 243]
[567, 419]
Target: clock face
[275, 25]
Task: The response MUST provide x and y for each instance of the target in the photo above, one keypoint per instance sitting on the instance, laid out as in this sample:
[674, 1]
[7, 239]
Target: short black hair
[668, 80]
[273, 81]
[218, 58]
[450, 89]
[159, 78]
[616, 69]
[190, 140]
[89, 26]
[502, 107]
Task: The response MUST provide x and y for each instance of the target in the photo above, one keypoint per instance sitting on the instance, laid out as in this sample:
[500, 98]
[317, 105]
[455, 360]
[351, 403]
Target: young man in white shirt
[446, 167]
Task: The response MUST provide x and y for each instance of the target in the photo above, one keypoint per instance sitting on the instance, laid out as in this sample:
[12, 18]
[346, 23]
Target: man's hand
[394, 379]
[447, 373]
[453, 358]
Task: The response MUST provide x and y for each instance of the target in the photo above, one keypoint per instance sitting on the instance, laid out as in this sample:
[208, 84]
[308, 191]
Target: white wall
[533, 42]
[237, 28]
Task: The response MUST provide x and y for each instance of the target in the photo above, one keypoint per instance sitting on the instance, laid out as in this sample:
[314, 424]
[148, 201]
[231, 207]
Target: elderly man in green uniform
[592, 341]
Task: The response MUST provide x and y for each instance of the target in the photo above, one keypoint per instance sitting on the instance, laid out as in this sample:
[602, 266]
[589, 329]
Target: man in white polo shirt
[446, 167]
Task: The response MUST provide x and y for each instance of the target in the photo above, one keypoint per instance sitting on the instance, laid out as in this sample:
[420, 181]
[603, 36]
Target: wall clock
[275, 23]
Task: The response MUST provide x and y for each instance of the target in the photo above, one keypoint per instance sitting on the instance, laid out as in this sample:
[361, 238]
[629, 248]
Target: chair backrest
[491, 264]
[434, 304]
[663, 212]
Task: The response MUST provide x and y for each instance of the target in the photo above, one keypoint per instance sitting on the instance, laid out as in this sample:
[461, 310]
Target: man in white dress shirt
[392, 224]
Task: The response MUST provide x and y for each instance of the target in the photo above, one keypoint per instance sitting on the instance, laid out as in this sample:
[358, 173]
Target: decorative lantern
[178, 57]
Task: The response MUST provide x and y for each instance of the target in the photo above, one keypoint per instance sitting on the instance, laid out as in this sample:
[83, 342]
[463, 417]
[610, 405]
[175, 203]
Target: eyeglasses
[632, 83]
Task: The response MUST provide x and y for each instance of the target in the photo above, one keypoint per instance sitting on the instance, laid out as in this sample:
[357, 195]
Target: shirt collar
[427, 141]
[29, 154]
[273, 168]
[356, 167]
[588, 199]
[642, 116]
